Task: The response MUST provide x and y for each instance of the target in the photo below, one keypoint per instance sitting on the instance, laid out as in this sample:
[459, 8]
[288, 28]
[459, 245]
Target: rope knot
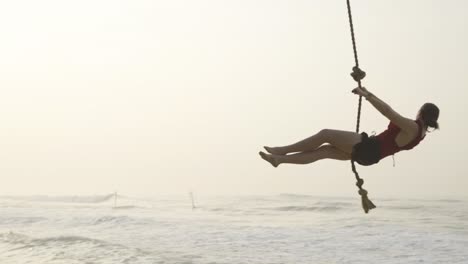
[359, 183]
[362, 192]
[358, 74]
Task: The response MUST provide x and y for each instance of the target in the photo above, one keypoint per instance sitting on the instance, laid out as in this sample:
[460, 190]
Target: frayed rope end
[366, 203]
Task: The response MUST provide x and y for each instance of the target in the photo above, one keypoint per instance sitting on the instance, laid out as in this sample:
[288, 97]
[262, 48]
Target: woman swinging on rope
[402, 134]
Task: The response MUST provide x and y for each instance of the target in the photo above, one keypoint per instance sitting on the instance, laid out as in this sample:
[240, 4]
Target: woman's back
[394, 139]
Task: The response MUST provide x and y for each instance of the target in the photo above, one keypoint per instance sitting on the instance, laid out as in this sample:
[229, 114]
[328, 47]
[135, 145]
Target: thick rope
[366, 203]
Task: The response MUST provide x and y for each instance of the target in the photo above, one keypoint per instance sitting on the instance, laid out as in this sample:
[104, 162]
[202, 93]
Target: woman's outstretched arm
[406, 124]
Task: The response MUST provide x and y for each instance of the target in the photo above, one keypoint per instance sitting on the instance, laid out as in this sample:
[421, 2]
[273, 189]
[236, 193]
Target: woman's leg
[343, 140]
[323, 152]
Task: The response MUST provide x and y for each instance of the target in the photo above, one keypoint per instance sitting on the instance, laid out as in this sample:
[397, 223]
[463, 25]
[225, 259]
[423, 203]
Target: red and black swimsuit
[372, 149]
[388, 146]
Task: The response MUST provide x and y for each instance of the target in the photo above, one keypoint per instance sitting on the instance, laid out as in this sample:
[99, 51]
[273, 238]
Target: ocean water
[284, 228]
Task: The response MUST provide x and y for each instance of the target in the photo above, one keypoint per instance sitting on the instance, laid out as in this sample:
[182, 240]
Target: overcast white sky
[159, 97]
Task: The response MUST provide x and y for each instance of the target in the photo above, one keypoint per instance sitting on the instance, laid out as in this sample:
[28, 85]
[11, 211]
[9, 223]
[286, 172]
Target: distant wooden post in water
[193, 201]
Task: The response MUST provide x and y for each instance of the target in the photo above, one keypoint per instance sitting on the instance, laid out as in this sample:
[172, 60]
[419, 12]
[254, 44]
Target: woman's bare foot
[275, 151]
[270, 158]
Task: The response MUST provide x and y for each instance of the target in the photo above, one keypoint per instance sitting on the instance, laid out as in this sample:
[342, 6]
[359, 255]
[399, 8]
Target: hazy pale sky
[161, 97]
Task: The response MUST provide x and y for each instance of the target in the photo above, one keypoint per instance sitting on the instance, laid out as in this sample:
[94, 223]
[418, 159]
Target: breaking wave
[70, 249]
[26, 241]
[308, 208]
[63, 199]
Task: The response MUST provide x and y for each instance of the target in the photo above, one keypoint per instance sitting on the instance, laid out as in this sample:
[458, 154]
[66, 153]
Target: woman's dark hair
[429, 114]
